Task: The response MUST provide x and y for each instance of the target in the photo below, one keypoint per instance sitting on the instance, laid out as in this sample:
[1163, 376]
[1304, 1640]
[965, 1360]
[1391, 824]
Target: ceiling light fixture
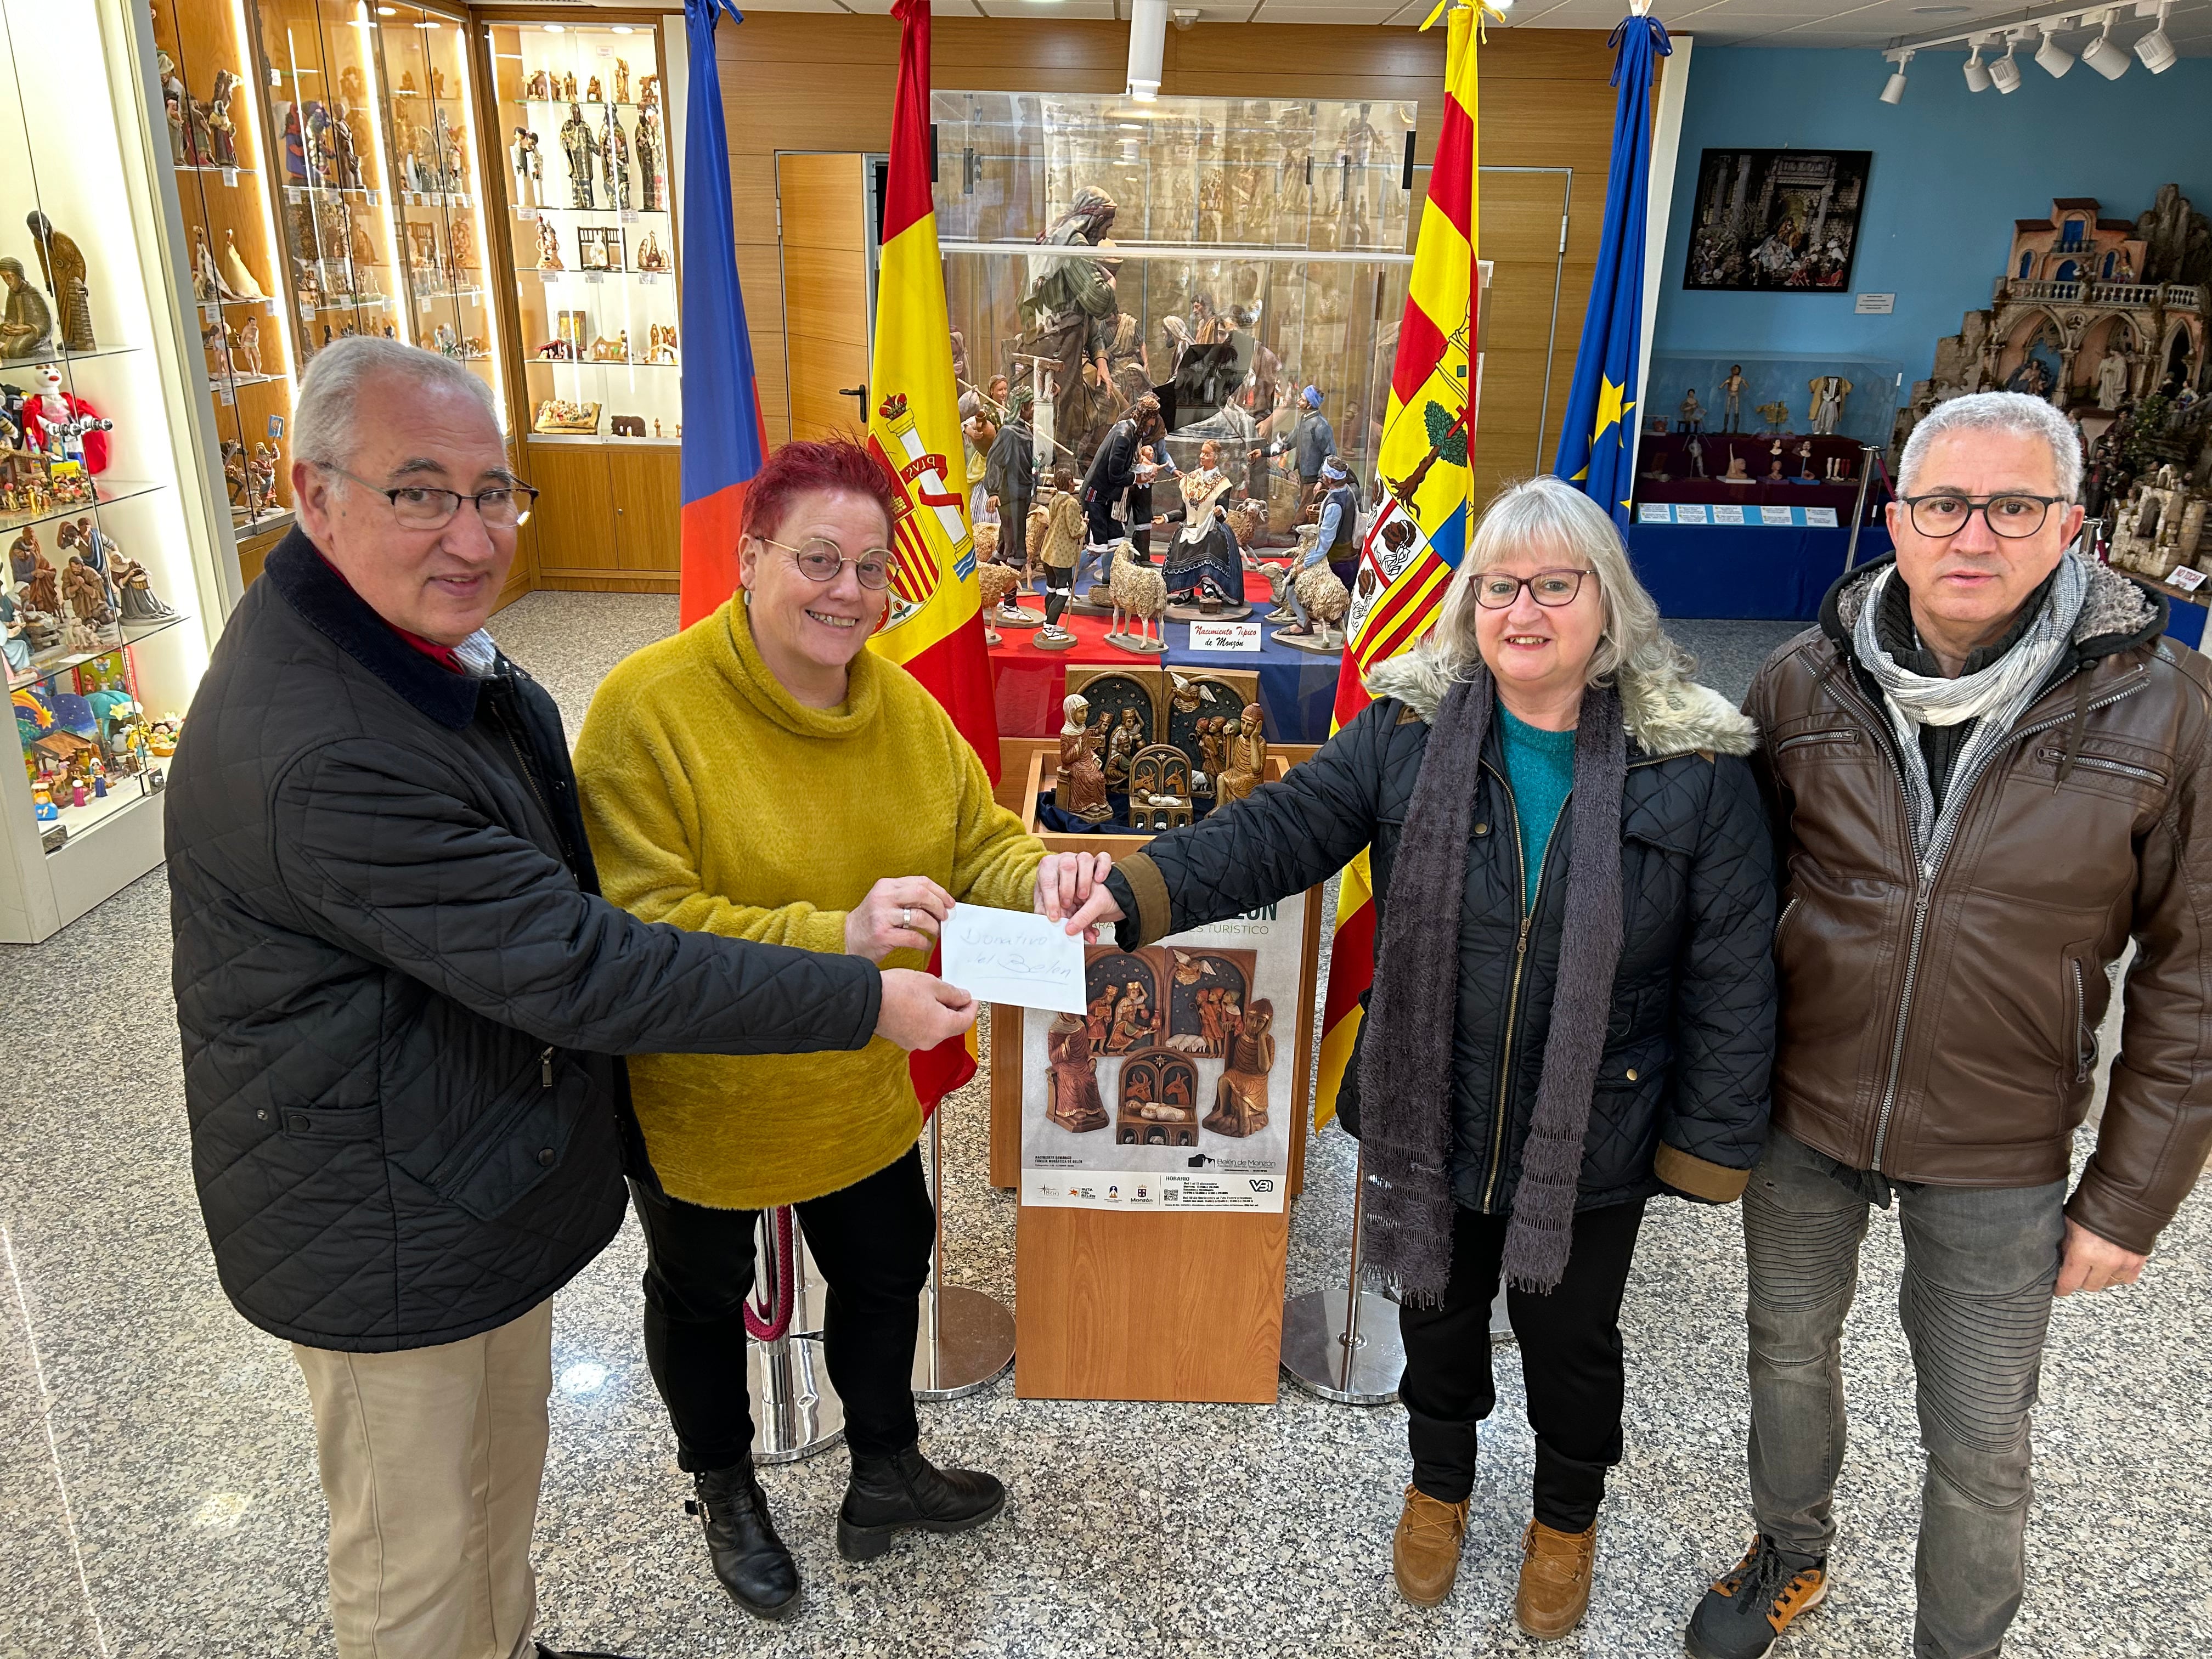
[1977, 74]
[2004, 74]
[622, 28]
[557, 28]
[1892, 90]
[2102, 56]
[2156, 48]
[1148, 35]
[2055, 59]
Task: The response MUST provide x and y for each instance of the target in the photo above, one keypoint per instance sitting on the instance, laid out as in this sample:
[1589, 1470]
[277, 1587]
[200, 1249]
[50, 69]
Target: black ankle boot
[749, 1558]
[888, 1495]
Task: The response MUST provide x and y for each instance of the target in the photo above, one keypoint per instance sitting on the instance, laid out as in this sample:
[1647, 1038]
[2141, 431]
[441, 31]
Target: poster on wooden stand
[1123, 1297]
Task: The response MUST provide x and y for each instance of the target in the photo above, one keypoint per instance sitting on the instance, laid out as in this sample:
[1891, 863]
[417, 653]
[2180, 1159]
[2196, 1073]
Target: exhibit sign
[1224, 636]
[1173, 1091]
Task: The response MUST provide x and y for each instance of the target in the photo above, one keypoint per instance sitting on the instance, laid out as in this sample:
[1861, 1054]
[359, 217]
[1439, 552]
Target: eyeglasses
[1495, 591]
[820, 559]
[2010, 516]
[417, 506]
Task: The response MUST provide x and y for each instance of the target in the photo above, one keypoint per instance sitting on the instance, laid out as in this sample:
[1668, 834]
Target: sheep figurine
[1246, 520]
[999, 583]
[987, 543]
[1319, 589]
[1140, 595]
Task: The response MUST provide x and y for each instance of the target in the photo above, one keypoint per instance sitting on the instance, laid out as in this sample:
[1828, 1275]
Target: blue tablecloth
[1743, 570]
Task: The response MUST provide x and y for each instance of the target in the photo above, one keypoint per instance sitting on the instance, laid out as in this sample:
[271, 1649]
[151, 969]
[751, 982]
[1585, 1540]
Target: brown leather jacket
[1939, 1009]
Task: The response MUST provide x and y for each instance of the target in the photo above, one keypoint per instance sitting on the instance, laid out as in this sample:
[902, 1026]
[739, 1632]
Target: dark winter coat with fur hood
[1681, 1091]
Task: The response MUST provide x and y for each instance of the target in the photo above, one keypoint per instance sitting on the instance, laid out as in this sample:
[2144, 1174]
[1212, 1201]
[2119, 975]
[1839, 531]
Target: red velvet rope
[770, 1324]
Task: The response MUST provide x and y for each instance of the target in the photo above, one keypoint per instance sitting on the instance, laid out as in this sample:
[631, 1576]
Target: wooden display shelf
[1116, 1305]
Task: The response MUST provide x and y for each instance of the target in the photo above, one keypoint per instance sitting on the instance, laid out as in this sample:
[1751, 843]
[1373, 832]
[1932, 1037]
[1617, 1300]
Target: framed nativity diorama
[1157, 1137]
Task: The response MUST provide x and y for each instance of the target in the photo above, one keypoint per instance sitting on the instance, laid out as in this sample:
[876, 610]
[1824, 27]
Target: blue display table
[1742, 571]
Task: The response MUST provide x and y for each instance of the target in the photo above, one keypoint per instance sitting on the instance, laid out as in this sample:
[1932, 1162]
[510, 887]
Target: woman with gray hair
[1573, 1002]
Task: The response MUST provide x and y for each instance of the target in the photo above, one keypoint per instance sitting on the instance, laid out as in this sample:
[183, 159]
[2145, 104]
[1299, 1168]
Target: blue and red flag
[724, 442]
[1597, 437]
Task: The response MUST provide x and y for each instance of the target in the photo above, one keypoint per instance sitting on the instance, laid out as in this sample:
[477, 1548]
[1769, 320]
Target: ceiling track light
[1892, 91]
[1977, 74]
[2004, 74]
[2102, 56]
[2055, 59]
[2156, 48]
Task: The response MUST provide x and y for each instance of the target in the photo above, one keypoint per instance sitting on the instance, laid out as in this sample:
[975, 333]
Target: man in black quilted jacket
[402, 1000]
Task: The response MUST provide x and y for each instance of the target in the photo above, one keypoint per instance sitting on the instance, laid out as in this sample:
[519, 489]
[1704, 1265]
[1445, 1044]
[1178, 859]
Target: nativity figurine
[1240, 1097]
[1071, 1098]
[1080, 788]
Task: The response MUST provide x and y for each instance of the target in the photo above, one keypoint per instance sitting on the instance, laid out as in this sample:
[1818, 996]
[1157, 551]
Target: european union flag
[1597, 440]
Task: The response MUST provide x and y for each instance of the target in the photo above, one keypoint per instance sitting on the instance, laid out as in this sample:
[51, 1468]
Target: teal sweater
[1541, 767]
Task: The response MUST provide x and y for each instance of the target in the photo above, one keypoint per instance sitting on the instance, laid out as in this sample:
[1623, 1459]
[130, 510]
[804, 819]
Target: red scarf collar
[444, 655]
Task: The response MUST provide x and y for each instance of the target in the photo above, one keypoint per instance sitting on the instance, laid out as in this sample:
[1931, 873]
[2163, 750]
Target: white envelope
[1013, 956]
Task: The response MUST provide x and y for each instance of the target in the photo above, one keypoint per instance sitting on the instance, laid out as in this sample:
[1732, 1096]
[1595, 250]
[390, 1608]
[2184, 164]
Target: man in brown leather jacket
[1990, 773]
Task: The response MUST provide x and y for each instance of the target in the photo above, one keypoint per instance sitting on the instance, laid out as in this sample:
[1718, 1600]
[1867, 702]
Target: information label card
[1224, 636]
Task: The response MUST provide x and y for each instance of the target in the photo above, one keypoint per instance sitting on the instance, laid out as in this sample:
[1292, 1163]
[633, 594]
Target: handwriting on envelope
[1013, 956]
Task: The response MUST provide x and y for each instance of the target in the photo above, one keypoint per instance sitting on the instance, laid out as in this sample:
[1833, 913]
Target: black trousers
[1570, 1358]
[1060, 587]
[871, 1242]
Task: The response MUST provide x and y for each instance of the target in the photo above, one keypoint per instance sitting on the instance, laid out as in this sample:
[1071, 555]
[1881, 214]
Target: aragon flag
[1425, 469]
[933, 626]
[1597, 436]
[724, 444]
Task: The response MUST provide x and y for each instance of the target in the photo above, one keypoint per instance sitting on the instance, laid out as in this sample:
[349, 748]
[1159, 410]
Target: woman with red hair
[762, 775]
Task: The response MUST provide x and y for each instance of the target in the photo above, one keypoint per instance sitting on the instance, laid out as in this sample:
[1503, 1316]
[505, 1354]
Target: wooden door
[821, 204]
[575, 514]
[648, 490]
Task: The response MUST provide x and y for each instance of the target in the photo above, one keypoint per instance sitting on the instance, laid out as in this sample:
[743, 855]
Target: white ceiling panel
[1823, 23]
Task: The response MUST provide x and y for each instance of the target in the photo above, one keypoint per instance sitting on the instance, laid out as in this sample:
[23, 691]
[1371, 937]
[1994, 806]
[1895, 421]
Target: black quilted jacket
[398, 991]
[1682, 1090]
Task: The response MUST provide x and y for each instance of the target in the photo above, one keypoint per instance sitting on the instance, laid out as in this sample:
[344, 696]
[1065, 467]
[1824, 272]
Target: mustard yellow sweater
[717, 802]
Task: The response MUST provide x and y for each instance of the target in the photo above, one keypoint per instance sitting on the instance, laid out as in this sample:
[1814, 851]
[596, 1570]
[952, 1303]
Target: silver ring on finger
[905, 916]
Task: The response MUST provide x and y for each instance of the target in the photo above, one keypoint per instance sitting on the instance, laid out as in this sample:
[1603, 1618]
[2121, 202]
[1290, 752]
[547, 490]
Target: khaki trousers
[430, 1461]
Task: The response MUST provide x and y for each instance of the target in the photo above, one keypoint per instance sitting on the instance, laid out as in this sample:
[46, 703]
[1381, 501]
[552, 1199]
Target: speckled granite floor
[158, 1495]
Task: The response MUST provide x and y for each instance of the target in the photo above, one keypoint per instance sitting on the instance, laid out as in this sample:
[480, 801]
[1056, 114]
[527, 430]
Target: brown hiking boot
[1555, 1580]
[1424, 1554]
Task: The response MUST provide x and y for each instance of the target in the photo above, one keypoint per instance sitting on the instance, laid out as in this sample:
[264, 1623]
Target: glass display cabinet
[591, 115]
[438, 187]
[217, 142]
[1222, 253]
[119, 561]
[592, 225]
[327, 183]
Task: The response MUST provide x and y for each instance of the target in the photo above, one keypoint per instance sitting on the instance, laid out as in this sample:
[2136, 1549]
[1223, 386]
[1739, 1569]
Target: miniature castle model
[2107, 318]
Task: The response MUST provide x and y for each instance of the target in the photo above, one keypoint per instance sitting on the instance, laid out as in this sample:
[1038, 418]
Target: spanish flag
[1425, 466]
[933, 626]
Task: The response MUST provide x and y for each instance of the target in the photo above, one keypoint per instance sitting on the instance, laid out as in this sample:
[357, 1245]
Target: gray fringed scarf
[1406, 1084]
[1997, 696]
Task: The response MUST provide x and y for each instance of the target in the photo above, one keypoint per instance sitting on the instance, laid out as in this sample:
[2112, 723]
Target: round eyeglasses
[1496, 591]
[819, 559]
[1944, 514]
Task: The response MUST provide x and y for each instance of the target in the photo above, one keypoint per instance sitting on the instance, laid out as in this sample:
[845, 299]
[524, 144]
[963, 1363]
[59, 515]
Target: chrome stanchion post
[1343, 1345]
[796, 1411]
[966, 1338]
[1867, 452]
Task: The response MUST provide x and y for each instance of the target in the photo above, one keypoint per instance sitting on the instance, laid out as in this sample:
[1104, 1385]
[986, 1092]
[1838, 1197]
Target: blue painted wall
[1952, 170]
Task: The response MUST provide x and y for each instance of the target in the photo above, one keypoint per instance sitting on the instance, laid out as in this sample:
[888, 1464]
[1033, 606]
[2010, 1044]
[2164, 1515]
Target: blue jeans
[1979, 1265]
